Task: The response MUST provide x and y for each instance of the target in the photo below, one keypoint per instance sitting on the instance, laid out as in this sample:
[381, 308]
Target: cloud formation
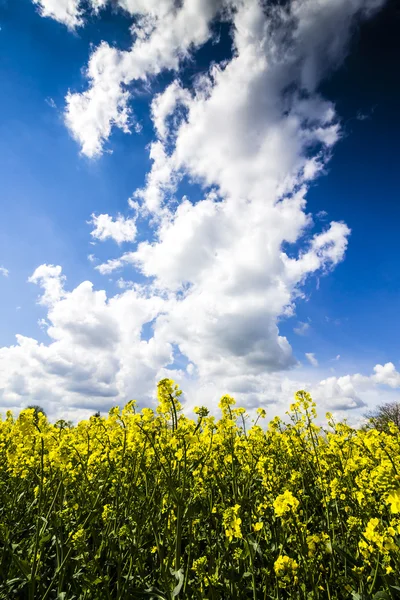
[354, 391]
[95, 356]
[302, 328]
[310, 356]
[253, 132]
[68, 12]
[120, 229]
[164, 34]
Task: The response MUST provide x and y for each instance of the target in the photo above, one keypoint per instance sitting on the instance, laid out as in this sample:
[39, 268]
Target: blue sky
[52, 184]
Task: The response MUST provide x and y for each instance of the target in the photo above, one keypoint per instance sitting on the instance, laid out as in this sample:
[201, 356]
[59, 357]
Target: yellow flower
[258, 526]
[285, 503]
[318, 543]
[394, 500]
[179, 454]
[232, 522]
[78, 538]
[107, 512]
[370, 533]
[225, 402]
[389, 570]
[285, 569]
[199, 565]
[284, 564]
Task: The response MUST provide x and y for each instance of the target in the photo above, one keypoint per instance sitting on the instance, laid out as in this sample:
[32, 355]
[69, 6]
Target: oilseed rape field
[152, 504]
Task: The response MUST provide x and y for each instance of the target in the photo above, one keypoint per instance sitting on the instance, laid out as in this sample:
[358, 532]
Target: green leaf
[348, 557]
[23, 565]
[11, 582]
[45, 538]
[381, 596]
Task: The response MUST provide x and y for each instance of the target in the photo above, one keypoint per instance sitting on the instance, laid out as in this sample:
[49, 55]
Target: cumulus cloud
[164, 34]
[387, 374]
[67, 12]
[358, 391]
[311, 359]
[50, 278]
[5, 272]
[120, 229]
[224, 271]
[63, 11]
[96, 356]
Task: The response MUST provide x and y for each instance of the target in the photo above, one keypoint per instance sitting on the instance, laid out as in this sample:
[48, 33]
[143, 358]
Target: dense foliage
[153, 504]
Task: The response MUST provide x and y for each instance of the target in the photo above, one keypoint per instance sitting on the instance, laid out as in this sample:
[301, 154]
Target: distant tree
[382, 415]
[97, 414]
[62, 424]
[38, 409]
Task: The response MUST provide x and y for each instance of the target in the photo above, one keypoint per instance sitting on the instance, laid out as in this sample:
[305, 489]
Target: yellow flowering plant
[153, 504]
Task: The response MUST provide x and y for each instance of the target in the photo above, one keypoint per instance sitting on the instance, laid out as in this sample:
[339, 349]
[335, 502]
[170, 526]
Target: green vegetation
[155, 505]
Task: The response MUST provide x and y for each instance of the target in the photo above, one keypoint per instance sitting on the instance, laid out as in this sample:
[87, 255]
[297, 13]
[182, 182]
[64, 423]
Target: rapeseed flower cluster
[285, 503]
[232, 522]
[152, 504]
[286, 569]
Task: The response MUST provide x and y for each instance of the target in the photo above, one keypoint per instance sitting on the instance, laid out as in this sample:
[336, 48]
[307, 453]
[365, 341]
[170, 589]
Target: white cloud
[302, 328]
[43, 324]
[311, 359]
[91, 115]
[5, 272]
[164, 105]
[124, 285]
[116, 263]
[358, 391]
[190, 368]
[49, 277]
[163, 36]
[326, 250]
[120, 229]
[64, 11]
[387, 374]
[67, 12]
[159, 182]
[95, 357]
[255, 130]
